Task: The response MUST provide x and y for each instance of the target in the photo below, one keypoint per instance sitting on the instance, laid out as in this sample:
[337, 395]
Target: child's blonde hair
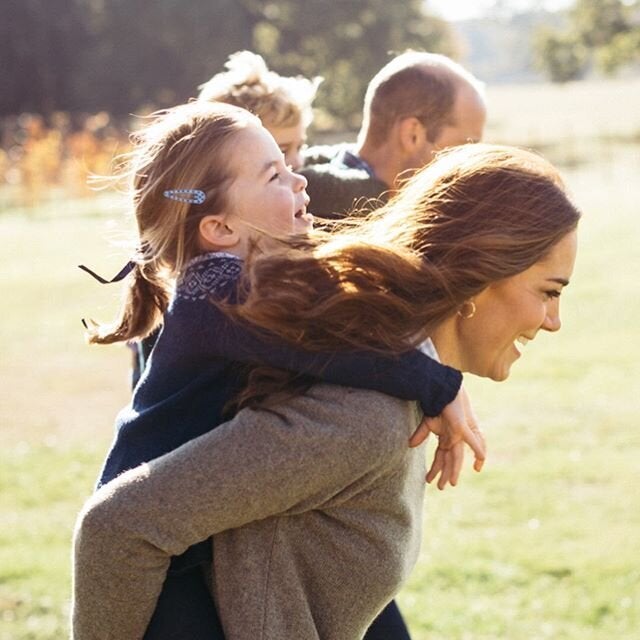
[279, 101]
[186, 147]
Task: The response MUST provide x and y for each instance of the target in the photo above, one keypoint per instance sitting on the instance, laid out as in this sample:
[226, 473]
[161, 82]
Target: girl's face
[291, 141]
[265, 195]
[509, 313]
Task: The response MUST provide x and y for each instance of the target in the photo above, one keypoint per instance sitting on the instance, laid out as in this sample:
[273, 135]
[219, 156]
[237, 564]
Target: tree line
[123, 55]
[599, 34]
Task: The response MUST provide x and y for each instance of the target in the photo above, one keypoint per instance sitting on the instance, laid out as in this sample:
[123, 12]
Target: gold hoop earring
[470, 313]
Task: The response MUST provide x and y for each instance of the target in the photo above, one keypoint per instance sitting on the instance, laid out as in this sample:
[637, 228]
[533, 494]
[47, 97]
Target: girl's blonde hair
[478, 214]
[186, 147]
[279, 101]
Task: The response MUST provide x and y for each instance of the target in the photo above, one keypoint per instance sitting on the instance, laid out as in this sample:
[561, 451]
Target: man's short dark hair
[418, 84]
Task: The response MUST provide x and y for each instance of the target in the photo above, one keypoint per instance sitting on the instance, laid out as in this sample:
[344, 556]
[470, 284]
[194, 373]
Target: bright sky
[464, 9]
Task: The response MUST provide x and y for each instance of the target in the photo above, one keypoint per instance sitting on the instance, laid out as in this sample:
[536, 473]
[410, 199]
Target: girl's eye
[275, 176]
[552, 293]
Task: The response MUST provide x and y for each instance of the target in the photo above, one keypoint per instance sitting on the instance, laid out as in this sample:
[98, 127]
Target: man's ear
[216, 233]
[412, 134]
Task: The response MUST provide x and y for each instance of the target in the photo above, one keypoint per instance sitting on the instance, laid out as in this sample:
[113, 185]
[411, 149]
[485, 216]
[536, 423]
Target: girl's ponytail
[178, 173]
[146, 299]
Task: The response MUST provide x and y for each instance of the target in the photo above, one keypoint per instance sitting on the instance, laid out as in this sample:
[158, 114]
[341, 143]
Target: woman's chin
[498, 373]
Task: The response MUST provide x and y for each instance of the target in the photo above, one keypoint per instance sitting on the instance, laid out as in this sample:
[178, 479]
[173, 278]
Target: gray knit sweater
[316, 508]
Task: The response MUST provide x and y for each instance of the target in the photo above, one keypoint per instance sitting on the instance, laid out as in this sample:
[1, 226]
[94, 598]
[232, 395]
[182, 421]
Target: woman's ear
[216, 233]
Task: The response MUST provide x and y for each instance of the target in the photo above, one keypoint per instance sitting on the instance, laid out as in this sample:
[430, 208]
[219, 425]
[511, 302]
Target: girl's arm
[290, 459]
[410, 376]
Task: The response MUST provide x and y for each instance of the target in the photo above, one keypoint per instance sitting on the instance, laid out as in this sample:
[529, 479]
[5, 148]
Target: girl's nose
[300, 182]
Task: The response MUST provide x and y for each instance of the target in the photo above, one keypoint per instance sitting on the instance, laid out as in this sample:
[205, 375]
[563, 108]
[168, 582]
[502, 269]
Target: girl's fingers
[456, 454]
[473, 437]
[479, 461]
[436, 466]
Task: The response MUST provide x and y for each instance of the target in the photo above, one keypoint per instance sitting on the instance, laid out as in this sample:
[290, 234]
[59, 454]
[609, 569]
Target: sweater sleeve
[262, 463]
[410, 376]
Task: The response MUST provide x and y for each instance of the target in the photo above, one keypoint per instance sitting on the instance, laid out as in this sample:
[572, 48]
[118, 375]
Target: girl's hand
[455, 426]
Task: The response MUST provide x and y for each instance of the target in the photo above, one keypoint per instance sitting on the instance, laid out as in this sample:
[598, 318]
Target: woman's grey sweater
[315, 507]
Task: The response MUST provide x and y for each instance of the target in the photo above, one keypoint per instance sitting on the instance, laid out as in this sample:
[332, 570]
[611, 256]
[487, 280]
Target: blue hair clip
[190, 196]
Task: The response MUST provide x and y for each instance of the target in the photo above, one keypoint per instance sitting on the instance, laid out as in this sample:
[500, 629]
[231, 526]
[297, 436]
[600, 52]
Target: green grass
[57, 403]
[544, 543]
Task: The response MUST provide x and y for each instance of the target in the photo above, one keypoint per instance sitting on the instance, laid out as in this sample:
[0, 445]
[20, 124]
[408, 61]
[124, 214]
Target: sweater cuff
[451, 383]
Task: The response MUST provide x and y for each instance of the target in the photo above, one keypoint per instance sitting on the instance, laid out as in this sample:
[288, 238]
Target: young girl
[283, 105]
[209, 183]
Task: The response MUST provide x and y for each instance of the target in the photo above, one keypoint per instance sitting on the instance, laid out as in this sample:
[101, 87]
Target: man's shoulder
[321, 153]
[336, 190]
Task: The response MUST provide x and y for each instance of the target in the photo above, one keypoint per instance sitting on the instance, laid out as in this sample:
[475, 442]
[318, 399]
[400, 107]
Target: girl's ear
[216, 234]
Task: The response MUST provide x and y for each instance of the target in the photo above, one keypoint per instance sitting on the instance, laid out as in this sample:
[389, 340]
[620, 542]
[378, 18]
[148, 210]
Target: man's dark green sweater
[340, 182]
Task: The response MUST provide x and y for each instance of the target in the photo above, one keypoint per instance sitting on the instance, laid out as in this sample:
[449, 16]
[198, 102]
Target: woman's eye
[552, 293]
[275, 176]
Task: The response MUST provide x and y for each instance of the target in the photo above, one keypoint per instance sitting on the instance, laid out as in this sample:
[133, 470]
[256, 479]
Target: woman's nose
[552, 319]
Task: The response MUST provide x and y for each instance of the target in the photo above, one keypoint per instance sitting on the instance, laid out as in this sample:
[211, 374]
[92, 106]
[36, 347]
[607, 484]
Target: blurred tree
[113, 54]
[623, 48]
[120, 55]
[39, 45]
[596, 22]
[560, 55]
[603, 32]
[346, 41]
[156, 52]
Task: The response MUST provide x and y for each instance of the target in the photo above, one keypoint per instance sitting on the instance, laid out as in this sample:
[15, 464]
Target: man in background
[416, 105]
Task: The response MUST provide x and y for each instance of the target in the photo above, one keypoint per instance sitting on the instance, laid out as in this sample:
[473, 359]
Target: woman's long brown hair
[476, 215]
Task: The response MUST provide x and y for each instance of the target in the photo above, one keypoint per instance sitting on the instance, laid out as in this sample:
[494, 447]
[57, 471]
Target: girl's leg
[389, 625]
[185, 609]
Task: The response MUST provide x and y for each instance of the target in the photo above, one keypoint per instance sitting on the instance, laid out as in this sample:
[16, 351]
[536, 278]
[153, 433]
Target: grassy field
[543, 544]
[564, 113]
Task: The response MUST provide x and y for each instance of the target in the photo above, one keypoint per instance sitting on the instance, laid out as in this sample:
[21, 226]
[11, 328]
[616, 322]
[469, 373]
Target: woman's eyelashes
[552, 293]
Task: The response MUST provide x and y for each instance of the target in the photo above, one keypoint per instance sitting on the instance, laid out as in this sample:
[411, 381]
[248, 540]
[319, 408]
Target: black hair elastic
[121, 275]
